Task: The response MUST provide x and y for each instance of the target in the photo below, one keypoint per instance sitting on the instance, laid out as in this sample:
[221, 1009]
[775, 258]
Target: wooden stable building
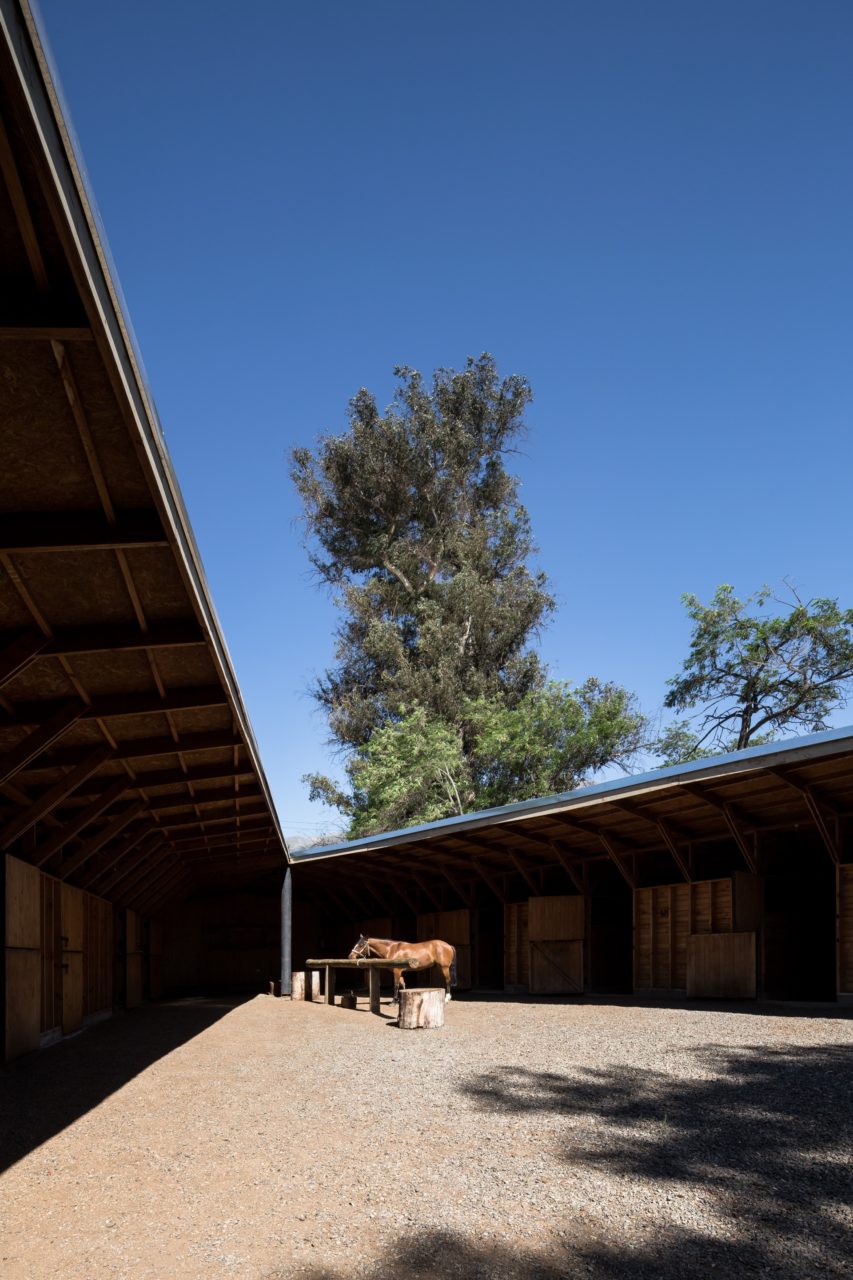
[130, 783]
[727, 878]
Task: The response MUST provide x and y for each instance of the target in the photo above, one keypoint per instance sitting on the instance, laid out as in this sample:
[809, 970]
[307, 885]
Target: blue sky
[645, 209]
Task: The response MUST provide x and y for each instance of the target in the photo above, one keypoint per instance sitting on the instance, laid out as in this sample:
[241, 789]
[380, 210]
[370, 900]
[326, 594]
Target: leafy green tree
[417, 769]
[754, 673]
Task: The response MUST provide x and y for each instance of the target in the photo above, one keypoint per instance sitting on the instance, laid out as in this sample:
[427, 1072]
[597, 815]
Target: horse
[426, 954]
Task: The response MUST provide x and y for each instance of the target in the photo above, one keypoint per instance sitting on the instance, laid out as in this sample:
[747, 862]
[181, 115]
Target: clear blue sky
[645, 208]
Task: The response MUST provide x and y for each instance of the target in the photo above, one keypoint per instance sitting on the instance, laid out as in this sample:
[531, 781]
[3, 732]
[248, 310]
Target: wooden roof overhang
[127, 762]
[650, 829]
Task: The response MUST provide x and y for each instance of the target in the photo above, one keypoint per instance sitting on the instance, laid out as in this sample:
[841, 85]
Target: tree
[418, 769]
[755, 674]
[415, 523]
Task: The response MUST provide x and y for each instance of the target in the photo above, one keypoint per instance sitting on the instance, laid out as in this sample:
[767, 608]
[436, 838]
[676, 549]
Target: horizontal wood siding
[721, 966]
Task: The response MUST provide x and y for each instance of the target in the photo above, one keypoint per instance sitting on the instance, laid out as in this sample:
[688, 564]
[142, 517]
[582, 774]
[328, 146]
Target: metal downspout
[286, 935]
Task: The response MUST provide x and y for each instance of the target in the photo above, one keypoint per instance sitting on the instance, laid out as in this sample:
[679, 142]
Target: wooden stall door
[556, 931]
[453, 927]
[23, 957]
[711, 909]
[721, 966]
[71, 935]
[516, 946]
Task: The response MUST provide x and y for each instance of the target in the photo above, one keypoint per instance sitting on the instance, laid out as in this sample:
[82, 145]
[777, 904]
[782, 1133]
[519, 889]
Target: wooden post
[375, 977]
[297, 984]
[421, 1007]
[330, 985]
[312, 985]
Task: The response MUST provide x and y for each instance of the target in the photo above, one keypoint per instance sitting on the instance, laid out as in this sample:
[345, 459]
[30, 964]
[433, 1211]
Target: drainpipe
[286, 935]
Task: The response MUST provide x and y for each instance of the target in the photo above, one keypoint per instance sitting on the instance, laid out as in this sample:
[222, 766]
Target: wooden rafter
[62, 718]
[17, 652]
[91, 846]
[523, 871]
[69, 641]
[139, 748]
[126, 704]
[26, 533]
[818, 807]
[78, 821]
[733, 821]
[617, 859]
[54, 796]
[489, 880]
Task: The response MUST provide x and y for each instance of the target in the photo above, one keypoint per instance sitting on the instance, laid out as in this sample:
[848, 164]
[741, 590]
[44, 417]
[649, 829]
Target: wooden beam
[48, 800]
[102, 878]
[127, 704]
[69, 642]
[96, 842]
[394, 882]
[16, 760]
[816, 806]
[30, 533]
[569, 868]
[23, 217]
[669, 840]
[166, 804]
[199, 774]
[426, 889]
[251, 822]
[616, 859]
[142, 869]
[45, 333]
[141, 748]
[486, 877]
[731, 819]
[17, 652]
[78, 820]
[522, 870]
[455, 886]
[160, 888]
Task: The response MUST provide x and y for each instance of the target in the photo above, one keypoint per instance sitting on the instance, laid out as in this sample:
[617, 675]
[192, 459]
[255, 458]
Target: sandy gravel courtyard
[263, 1139]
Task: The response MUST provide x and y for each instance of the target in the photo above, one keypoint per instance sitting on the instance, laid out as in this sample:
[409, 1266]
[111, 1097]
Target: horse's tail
[453, 968]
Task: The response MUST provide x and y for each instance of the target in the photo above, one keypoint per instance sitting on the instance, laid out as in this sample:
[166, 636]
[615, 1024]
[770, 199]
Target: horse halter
[362, 948]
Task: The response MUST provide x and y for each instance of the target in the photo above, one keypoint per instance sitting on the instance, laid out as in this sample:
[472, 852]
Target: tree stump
[312, 984]
[421, 1007]
[297, 985]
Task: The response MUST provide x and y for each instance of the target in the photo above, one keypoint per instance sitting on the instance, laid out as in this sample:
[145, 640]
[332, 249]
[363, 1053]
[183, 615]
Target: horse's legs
[445, 969]
[398, 983]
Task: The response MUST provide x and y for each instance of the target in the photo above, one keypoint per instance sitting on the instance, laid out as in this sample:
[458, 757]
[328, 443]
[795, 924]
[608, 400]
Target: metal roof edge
[29, 48]
[828, 742]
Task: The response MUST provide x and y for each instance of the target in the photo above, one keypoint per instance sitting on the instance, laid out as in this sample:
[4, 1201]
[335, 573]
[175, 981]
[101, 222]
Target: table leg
[330, 985]
[375, 977]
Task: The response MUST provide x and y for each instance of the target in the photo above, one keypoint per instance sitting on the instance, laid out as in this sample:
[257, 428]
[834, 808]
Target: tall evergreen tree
[416, 524]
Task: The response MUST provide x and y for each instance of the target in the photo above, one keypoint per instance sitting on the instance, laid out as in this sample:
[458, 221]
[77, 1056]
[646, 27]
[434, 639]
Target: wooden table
[373, 967]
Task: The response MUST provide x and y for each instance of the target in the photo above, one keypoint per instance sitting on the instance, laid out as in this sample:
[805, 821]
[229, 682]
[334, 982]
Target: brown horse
[425, 953]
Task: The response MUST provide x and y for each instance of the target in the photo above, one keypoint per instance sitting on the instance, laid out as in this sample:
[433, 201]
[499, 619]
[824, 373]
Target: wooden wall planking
[72, 933]
[661, 926]
[51, 954]
[453, 927]
[22, 923]
[558, 918]
[516, 945]
[721, 966]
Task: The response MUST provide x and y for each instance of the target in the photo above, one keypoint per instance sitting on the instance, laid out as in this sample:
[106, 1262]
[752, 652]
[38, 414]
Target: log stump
[297, 985]
[421, 1007]
[312, 984]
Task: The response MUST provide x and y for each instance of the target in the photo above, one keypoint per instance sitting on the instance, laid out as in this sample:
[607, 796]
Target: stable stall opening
[799, 920]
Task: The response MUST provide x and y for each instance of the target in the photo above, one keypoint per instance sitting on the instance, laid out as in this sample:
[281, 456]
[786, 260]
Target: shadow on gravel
[768, 1138]
[44, 1092]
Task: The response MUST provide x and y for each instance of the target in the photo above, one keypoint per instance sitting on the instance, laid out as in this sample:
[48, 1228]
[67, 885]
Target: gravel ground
[265, 1139]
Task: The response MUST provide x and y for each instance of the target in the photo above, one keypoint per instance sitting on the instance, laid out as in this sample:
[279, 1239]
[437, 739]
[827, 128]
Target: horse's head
[361, 948]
